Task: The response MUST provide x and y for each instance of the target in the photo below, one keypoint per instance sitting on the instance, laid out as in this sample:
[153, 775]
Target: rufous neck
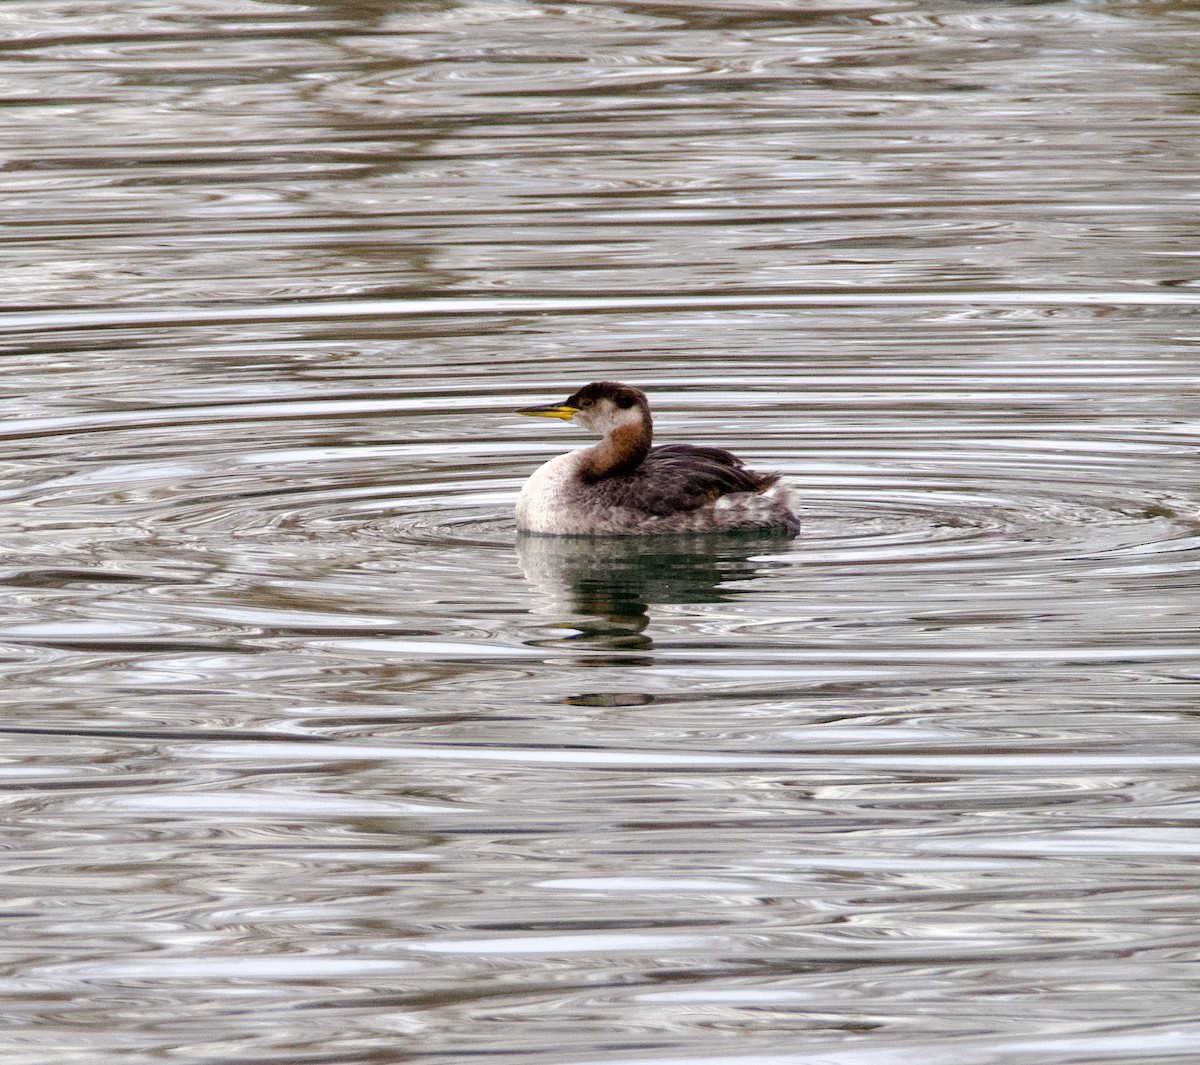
[622, 451]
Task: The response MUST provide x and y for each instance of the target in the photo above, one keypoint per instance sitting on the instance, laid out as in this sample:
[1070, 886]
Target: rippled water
[308, 759]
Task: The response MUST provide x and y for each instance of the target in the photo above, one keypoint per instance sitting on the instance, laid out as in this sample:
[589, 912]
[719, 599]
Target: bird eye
[585, 403]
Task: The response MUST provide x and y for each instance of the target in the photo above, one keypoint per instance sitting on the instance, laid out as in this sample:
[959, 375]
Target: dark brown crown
[624, 396]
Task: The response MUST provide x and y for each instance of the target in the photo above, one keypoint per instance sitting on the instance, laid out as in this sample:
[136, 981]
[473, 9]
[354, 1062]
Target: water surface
[309, 759]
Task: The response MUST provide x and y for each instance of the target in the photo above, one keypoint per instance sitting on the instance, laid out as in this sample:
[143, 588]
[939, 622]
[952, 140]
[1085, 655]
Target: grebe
[622, 486]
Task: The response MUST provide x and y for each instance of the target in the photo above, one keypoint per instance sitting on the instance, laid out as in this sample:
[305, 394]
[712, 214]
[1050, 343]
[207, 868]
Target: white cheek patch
[627, 416]
[606, 416]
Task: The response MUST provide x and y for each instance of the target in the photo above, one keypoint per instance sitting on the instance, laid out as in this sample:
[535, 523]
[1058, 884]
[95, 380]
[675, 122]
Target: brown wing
[680, 477]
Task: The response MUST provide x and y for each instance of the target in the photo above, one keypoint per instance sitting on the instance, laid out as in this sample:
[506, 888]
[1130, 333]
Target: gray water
[307, 759]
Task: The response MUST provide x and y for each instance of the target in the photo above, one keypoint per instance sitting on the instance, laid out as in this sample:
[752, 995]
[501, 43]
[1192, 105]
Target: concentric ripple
[936, 485]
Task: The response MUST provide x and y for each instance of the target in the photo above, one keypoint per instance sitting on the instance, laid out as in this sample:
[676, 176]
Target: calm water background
[307, 759]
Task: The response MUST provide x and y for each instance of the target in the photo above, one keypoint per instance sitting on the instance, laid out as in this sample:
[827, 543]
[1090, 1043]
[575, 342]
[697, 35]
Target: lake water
[307, 759]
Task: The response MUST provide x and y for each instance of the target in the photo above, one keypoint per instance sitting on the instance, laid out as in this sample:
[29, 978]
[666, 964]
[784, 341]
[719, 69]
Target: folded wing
[680, 477]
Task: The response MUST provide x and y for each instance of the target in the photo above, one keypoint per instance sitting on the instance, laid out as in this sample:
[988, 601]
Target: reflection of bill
[603, 588]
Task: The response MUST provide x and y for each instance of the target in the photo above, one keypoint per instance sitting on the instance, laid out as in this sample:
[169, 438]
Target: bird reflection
[602, 589]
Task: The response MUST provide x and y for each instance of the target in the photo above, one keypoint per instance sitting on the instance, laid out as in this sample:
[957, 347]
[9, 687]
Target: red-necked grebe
[622, 486]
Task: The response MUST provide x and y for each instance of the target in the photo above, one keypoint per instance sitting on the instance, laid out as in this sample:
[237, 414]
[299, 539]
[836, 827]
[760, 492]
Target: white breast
[542, 506]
